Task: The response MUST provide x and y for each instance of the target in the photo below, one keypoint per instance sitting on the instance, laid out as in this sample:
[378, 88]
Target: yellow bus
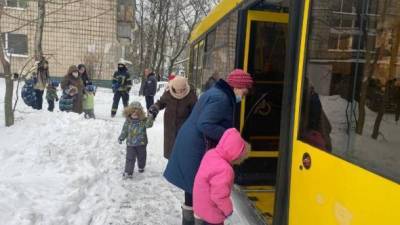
[321, 155]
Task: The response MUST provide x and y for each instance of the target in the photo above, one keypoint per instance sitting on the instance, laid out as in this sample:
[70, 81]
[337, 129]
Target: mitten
[153, 110]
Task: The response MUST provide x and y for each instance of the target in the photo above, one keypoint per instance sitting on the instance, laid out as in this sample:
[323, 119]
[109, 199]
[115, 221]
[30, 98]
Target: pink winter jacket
[214, 179]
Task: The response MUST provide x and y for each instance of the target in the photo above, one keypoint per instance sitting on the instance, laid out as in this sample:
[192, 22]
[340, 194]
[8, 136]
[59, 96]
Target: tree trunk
[164, 34]
[181, 46]
[9, 114]
[150, 39]
[39, 29]
[389, 82]
[368, 72]
[158, 33]
[141, 34]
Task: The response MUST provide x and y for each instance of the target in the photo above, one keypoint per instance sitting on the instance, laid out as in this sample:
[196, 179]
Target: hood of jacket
[224, 86]
[151, 74]
[231, 145]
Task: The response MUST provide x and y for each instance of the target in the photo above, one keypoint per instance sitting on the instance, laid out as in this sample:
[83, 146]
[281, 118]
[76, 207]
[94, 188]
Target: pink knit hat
[240, 79]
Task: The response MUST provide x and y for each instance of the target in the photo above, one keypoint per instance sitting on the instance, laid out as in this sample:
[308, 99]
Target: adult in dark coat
[84, 75]
[178, 102]
[41, 80]
[121, 86]
[149, 87]
[73, 81]
[212, 115]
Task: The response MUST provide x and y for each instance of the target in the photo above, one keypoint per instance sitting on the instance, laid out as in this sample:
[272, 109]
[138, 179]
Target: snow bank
[58, 168]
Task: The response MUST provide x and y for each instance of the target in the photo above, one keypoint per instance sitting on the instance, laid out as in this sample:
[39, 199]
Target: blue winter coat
[211, 116]
[150, 85]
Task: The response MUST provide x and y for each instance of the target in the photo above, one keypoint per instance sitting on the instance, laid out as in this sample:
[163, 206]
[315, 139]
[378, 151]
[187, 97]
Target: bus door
[264, 59]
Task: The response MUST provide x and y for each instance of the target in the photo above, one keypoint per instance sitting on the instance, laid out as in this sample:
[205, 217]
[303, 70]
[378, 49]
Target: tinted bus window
[351, 88]
[219, 57]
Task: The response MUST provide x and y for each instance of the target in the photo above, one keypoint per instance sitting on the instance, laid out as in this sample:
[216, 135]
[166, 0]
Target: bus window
[194, 68]
[351, 90]
[191, 66]
[199, 63]
[219, 56]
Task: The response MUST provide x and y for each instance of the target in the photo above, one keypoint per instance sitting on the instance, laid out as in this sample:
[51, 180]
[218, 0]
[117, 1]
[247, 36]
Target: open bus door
[264, 58]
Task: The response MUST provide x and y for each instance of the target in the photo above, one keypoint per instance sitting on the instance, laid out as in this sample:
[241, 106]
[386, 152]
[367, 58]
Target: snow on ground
[59, 168]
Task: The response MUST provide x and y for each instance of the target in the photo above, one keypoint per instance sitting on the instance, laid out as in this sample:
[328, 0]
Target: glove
[115, 87]
[153, 111]
[120, 141]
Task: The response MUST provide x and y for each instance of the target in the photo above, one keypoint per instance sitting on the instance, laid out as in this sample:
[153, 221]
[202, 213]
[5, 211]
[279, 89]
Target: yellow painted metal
[263, 17]
[264, 202]
[257, 187]
[222, 9]
[333, 191]
[263, 154]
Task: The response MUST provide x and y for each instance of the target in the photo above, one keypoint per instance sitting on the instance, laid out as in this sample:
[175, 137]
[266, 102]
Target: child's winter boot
[127, 176]
[187, 215]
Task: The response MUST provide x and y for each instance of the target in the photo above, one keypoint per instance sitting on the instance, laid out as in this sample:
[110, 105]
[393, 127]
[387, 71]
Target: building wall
[82, 32]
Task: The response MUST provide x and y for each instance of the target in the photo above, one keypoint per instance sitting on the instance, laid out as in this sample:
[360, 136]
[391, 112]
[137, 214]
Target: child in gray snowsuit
[134, 131]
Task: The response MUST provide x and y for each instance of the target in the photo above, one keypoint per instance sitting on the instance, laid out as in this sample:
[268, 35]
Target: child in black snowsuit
[134, 131]
[51, 94]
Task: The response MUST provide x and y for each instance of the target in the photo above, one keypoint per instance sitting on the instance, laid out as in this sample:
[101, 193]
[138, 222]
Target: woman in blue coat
[211, 116]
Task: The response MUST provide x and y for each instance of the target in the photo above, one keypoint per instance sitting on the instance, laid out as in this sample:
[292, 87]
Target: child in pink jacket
[214, 179]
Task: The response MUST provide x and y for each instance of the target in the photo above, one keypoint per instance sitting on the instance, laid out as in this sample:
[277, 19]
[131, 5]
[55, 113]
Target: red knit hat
[240, 79]
[171, 76]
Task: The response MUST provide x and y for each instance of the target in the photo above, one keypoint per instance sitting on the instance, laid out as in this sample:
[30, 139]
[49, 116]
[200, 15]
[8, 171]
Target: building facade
[92, 32]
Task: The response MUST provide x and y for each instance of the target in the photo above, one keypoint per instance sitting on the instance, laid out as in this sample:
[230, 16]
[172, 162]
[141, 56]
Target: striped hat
[240, 79]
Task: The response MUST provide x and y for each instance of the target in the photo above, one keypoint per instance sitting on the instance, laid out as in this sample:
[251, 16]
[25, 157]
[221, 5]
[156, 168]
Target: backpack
[28, 93]
[66, 102]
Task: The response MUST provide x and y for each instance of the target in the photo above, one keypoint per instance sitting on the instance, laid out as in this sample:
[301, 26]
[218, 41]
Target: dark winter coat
[122, 80]
[85, 79]
[176, 113]
[318, 121]
[51, 94]
[150, 85]
[210, 83]
[134, 131]
[70, 80]
[42, 78]
[212, 115]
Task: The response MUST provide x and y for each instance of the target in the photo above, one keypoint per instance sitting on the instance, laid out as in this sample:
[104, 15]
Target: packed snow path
[58, 168]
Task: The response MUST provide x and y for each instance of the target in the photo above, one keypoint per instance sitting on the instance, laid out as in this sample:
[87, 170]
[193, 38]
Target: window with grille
[16, 3]
[16, 43]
